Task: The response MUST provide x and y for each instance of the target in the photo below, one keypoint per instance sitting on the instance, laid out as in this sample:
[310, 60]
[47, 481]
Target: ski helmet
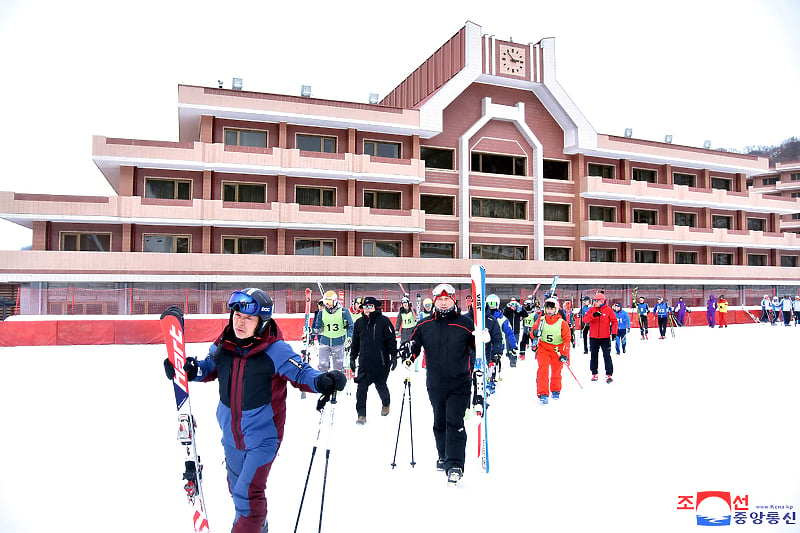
[493, 301]
[331, 300]
[253, 302]
[427, 303]
[357, 303]
[443, 289]
[551, 302]
[405, 300]
[599, 297]
[528, 304]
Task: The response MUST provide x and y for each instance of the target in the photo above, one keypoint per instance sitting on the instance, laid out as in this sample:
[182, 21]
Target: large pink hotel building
[479, 154]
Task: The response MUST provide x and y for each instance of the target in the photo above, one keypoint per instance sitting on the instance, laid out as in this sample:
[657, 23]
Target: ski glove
[190, 367]
[330, 382]
[564, 359]
[613, 336]
[597, 313]
[394, 363]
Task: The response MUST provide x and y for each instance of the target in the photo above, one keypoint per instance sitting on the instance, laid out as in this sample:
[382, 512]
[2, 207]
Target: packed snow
[89, 444]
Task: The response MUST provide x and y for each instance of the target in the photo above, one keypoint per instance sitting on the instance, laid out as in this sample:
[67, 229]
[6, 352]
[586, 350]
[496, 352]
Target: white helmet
[552, 302]
[493, 301]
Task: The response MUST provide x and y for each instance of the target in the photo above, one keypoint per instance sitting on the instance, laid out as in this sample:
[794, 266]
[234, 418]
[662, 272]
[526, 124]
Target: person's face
[444, 302]
[550, 311]
[596, 303]
[244, 326]
[367, 309]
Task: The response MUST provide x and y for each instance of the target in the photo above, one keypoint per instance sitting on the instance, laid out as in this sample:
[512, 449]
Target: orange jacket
[603, 326]
[544, 346]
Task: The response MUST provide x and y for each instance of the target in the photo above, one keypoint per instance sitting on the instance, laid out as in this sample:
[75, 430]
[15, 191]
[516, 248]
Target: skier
[586, 301]
[722, 307]
[680, 312]
[711, 311]
[766, 306]
[552, 352]
[406, 320]
[796, 310]
[662, 311]
[776, 309]
[623, 326]
[786, 310]
[493, 308]
[527, 323]
[253, 365]
[375, 349]
[643, 310]
[514, 312]
[427, 310]
[449, 343]
[602, 324]
[355, 309]
[334, 326]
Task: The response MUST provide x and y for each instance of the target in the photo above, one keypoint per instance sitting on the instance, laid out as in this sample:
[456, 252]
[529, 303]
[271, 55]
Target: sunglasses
[368, 306]
[243, 302]
[444, 289]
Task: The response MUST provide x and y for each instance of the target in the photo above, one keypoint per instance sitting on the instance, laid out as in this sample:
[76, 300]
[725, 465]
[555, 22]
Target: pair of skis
[535, 340]
[478, 276]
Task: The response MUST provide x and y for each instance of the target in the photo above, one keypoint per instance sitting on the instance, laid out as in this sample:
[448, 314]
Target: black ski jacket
[449, 349]
[374, 345]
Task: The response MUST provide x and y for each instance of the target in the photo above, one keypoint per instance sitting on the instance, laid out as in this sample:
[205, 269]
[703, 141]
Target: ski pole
[399, 423]
[321, 408]
[410, 423]
[327, 458]
[573, 375]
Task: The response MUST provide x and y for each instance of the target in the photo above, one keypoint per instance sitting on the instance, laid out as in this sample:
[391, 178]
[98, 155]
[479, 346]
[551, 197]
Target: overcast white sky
[721, 70]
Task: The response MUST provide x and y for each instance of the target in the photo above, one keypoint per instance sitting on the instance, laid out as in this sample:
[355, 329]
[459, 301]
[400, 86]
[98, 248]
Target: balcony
[597, 188]
[596, 231]
[109, 154]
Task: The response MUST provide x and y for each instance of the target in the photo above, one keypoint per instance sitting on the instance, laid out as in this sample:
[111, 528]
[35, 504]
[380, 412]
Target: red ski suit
[548, 377]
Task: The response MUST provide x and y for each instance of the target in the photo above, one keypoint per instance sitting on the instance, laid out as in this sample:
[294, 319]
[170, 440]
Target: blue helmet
[254, 302]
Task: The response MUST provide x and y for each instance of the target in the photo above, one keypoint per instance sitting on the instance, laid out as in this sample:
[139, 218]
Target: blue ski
[478, 275]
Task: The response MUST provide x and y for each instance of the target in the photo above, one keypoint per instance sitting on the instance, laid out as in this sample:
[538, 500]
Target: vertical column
[670, 259]
[40, 236]
[126, 181]
[206, 240]
[627, 253]
[351, 244]
[415, 245]
[281, 241]
[282, 135]
[281, 191]
[415, 201]
[667, 175]
[707, 251]
[207, 189]
[741, 183]
[351, 192]
[578, 204]
[741, 256]
[207, 129]
[705, 179]
[415, 147]
[706, 213]
[741, 221]
[127, 238]
[625, 170]
[351, 141]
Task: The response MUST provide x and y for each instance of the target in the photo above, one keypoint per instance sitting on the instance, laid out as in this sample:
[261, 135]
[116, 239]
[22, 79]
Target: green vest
[333, 325]
[407, 320]
[529, 320]
[551, 334]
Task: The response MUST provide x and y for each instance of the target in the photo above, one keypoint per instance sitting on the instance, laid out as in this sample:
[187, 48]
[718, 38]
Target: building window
[166, 189]
[770, 181]
[756, 224]
[679, 178]
[315, 196]
[721, 183]
[253, 138]
[167, 244]
[382, 149]
[644, 174]
[795, 195]
[495, 208]
[685, 258]
[795, 176]
[552, 253]
[685, 219]
[315, 143]
[255, 193]
[244, 245]
[602, 255]
[721, 259]
[602, 213]
[795, 216]
[721, 221]
[757, 260]
[437, 250]
[556, 212]
[85, 242]
[437, 157]
[380, 248]
[789, 261]
[486, 251]
[433, 204]
[498, 164]
[645, 216]
[604, 171]
[382, 199]
[325, 247]
[555, 170]
[645, 256]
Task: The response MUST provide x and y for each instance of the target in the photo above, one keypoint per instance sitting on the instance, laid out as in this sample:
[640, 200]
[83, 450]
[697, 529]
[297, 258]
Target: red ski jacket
[603, 326]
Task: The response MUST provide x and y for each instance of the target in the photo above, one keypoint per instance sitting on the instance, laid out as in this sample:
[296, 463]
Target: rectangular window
[685, 258]
[167, 189]
[498, 164]
[795, 216]
[167, 244]
[437, 157]
[315, 143]
[685, 219]
[244, 245]
[721, 183]
[326, 247]
[602, 255]
[315, 196]
[756, 224]
[789, 261]
[770, 181]
[604, 171]
[380, 248]
[85, 242]
[602, 213]
[512, 253]
[795, 176]
[645, 216]
[555, 170]
[382, 149]
[552, 253]
[795, 195]
[721, 221]
[252, 138]
[721, 259]
[679, 178]
[556, 212]
[644, 174]
[255, 193]
[437, 250]
[434, 204]
[494, 208]
[382, 199]
[645, 256]
[757, 260]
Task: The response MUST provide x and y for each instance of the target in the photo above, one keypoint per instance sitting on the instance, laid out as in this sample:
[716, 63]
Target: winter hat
[371, 300]
[599, 297]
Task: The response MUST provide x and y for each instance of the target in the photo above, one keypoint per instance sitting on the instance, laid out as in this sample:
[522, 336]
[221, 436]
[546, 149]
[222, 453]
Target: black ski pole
[327, 458]
[410, 423]
[321, 408]
[399, 423]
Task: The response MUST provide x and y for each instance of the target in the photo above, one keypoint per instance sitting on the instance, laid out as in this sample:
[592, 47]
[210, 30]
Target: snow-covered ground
[88, 444]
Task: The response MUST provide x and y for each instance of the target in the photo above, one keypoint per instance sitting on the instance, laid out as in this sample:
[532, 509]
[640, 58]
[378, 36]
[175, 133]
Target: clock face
[512, 60]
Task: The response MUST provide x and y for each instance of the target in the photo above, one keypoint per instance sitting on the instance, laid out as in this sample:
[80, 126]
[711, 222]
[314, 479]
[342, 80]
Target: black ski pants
[364, 381]
[585, 332]
[643, 328]
[662, 325]
[595, 345]
[449, 406]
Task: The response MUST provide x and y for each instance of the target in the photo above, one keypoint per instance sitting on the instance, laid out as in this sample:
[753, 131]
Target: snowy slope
[88, 443]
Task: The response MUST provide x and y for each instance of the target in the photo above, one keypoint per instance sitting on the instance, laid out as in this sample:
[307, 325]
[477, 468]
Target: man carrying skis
[493, 308]
[623, 326]
[642, 309]
[552, 351]
[335, 328]
[662, 311]
[449, 344]
[253, 365]
[602, 324]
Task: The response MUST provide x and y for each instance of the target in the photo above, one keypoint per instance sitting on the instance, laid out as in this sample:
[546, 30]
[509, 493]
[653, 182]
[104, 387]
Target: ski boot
[609, 379]
[440, 465]
[594, 377]
[454, 475]
[543, 399]
[556, 394]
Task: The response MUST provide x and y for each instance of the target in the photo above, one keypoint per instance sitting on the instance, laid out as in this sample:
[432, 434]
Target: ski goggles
[244, 303]
[443, 289]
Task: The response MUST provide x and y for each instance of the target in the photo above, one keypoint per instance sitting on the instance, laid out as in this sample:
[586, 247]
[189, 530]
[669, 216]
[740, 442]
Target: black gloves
[394, 363]
[613, 336]
[190, 367]
[597, 313]
[353, 365]
[563, 359]
[330, 382]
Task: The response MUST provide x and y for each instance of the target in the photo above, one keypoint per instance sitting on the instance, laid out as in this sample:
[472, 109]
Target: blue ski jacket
[511, 338]
[643, 309]
[623, 320]
[661, 309]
